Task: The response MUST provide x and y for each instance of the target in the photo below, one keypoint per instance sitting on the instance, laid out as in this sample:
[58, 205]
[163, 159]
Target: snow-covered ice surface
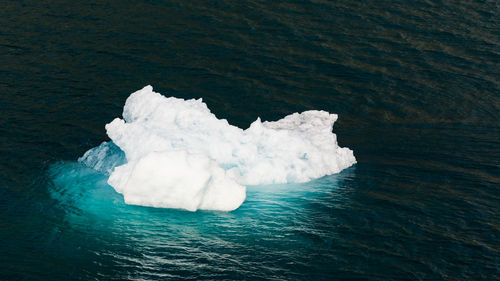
[174, 153]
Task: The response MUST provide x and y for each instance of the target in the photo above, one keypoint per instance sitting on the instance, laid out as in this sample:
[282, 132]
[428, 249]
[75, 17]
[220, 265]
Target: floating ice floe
[174, 153]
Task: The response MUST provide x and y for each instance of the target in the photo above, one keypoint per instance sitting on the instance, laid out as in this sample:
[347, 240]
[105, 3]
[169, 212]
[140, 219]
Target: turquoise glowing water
[415, 84]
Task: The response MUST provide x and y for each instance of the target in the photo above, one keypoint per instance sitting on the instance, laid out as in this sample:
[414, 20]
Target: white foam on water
[180, 155]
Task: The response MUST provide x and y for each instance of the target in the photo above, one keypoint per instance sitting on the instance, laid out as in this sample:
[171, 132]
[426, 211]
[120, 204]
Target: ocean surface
[416, 85]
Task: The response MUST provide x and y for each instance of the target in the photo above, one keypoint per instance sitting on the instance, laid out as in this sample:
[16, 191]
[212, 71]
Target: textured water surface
[415, 84]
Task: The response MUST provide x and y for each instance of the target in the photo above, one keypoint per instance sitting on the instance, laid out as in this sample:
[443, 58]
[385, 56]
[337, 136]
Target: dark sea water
[416, 85]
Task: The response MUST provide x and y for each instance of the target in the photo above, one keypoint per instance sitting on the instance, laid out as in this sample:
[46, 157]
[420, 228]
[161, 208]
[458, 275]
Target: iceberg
[174, 153]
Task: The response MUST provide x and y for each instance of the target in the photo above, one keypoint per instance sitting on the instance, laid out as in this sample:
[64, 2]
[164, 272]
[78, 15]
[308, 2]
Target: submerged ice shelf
[174, 153]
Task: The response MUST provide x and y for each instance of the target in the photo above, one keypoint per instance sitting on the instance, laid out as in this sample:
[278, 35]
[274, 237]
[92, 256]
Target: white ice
[179, 155]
